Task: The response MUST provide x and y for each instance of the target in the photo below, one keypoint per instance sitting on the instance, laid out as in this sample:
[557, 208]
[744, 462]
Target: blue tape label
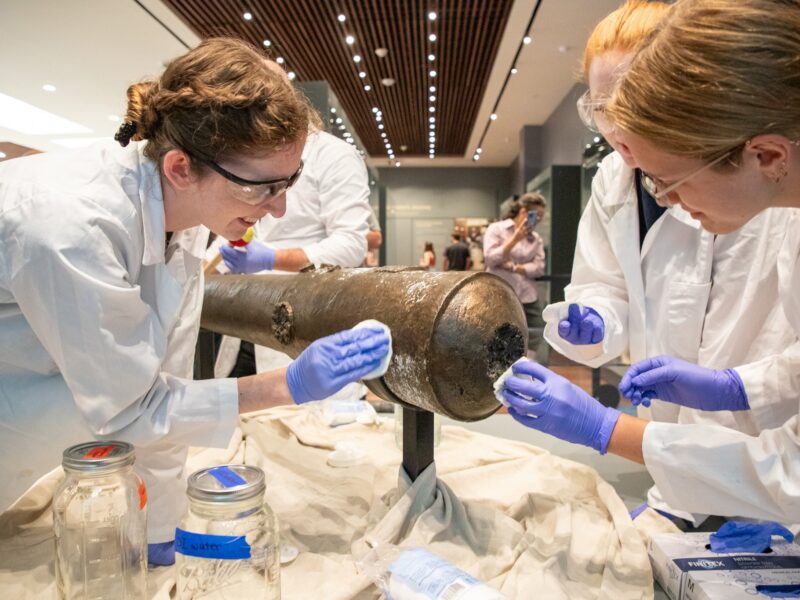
[226, 476]
[201, 545]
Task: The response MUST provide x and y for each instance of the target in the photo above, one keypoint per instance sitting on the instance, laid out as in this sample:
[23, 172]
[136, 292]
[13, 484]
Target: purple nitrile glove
[553, 405]
[680, 382]
[330, 363]
[582, 327]
[252, 258]
[162, 554]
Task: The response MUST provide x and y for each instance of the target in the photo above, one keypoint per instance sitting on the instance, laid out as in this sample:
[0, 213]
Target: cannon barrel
[453, 333]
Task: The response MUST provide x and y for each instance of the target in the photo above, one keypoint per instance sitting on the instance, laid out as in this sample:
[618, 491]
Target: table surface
[631, 480]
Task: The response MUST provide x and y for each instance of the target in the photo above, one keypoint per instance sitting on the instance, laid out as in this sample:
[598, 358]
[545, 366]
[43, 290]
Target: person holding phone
[514, 251]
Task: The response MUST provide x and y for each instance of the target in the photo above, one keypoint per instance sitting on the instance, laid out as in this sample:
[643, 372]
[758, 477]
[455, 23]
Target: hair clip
[125, 132]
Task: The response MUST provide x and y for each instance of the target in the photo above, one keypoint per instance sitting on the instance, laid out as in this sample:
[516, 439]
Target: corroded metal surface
[453, 333]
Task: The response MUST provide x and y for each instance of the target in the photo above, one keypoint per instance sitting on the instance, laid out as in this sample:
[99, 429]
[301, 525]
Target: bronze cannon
[453, 333]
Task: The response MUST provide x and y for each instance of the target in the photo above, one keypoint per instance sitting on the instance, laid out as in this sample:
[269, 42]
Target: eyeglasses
[590, 111]
[255, 192]
[660, 191]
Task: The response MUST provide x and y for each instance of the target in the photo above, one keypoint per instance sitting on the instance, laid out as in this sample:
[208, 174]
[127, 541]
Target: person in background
[514, 251]
[101, 284]
[428, 259]
[697, 113]
[456, 255]
[374, 241]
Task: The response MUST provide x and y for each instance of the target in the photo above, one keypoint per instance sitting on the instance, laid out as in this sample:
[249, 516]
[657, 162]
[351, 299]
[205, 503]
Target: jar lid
[226, 483]
[98, 456]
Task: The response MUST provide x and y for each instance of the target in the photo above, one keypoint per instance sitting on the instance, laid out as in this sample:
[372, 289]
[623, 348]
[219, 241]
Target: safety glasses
[660, 191]
[592, 112]
[253, 192]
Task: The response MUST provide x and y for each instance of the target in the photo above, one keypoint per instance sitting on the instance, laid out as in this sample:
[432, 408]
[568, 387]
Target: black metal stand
[417, 441]
[204, 355]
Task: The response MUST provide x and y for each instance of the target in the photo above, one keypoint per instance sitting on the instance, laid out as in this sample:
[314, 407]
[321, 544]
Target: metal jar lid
[226, 483]
[98, 456]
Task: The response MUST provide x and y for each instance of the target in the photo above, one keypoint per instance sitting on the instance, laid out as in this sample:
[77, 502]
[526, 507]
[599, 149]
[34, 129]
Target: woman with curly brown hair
[101, 282]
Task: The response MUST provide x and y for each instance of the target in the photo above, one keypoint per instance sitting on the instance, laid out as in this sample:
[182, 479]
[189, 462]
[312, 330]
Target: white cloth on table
[506, 512]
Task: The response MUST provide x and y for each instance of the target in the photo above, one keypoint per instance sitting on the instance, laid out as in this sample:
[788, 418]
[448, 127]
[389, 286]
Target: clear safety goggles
[592, 112]
[256, 192]
[660, 191]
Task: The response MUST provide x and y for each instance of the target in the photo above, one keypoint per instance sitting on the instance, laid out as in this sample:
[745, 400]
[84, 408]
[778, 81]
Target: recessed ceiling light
[432, 126]
[493, 117]
[431, 16]
[28, 119]
[432, 119]
[383, 135]
[432, 109]
[563, 49]
[476, 157]
[397, 164]
[2, 154]
[291, 75]
[596, 140]
[374, 109]
[114, 118]
[362, 74]
[479, 150]
[341, 18]
[431, 155]
[338, 120]
[267, 43]
[381, 52]
[248, 16]
[387, 81]
[341, 127]
[514, 71]
[432, 37]
[432, 73]
[356, 58]
[350, 40]
[432, 89]
[49, 87]
[367, 88]
[279, 60]
[526, 40]
[380, 126]
[432, 98]
[333, 110]
[431, 57]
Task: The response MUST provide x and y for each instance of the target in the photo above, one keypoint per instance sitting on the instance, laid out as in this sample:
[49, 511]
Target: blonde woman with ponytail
[101, 282]
[658, 284]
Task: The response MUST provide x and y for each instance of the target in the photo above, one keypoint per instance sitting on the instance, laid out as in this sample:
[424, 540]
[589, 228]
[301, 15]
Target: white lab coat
[711, 300]
[327, 216]
[97, 331]
[703, 468]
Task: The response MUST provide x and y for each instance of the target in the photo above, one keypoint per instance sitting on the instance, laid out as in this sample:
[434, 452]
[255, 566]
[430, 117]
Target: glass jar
[100, 524]
[226, 546]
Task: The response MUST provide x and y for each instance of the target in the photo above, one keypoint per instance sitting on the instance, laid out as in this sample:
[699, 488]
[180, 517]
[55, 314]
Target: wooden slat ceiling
[311, 39]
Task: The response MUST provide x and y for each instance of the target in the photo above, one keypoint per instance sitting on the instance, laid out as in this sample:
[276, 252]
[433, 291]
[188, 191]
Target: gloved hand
[582, 327]
[739, 536]
[252, 258]
[551, 404]
[332, 362]
[162, 554]
[677, 381]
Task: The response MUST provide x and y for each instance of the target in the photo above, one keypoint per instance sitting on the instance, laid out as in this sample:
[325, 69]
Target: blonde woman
[703, 468]
[101, 282]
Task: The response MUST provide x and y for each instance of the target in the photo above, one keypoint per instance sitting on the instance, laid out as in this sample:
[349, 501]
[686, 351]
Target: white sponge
[381, 369]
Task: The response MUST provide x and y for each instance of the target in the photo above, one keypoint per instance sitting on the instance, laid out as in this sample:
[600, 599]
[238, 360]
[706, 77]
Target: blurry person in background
[456, 256]
[514, 251]
[428, 259]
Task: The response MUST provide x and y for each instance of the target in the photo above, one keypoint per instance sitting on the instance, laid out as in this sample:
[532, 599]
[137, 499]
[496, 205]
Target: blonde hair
[623, 30]
[218, 99]
[716, 73]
